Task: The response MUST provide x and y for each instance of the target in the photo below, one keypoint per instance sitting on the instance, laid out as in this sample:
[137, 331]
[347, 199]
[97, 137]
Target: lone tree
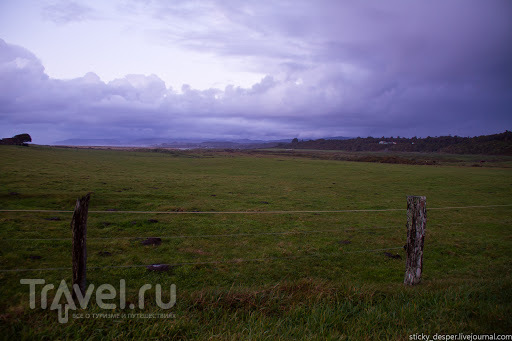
[19, 140]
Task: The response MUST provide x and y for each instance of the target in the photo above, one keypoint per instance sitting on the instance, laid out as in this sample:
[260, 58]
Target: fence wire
[256, 212]
[206, 235]
[236, 260]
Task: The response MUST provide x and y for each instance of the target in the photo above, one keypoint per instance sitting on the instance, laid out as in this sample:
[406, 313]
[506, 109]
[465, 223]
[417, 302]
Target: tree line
[497, 144]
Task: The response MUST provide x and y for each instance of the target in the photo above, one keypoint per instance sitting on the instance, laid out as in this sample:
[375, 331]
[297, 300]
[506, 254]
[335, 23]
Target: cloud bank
[333, 68]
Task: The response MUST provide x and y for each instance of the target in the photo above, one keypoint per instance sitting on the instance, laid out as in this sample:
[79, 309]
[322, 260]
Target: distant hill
[497, 144]
[174, 143]
[88, 142]
[220, 144]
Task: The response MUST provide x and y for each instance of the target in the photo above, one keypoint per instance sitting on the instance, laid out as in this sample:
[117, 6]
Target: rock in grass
[394, 256]
[152, 221]
[344, 242]
[34, 257]
[152, 241]
[159, 267]
[53, 218]
[104, 253]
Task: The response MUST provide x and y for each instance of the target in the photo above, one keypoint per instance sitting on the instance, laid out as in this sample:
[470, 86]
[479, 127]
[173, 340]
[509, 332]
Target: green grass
[302, 282]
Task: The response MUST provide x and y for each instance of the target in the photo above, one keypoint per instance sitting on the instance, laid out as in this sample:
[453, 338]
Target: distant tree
[295, 140]
[23, 138]
[20, 140]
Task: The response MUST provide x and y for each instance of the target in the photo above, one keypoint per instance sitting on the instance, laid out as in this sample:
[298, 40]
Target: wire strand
[237, 260]
[203, 235]
[257, 212]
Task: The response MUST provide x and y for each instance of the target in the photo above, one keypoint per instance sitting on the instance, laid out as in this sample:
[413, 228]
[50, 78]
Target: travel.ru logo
[104, 293]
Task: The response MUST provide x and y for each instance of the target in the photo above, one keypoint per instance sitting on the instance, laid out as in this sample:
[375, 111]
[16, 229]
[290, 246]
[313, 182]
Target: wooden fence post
[416, 225]
[79, 253]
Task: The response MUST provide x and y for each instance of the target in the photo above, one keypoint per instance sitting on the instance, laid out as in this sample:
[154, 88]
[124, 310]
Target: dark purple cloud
[334, 68]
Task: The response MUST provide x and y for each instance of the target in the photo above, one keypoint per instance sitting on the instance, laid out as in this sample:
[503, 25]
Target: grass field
[257, 276]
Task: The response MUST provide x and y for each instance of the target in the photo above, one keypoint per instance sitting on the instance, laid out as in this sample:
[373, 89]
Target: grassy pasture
[257, 276]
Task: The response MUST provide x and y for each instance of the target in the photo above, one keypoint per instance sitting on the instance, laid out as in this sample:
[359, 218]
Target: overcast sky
[254, 69]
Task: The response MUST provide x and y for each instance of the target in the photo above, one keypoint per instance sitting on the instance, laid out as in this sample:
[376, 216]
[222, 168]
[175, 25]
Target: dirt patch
[152, 241]
[53, 219]
[195, 251]
[394, 256]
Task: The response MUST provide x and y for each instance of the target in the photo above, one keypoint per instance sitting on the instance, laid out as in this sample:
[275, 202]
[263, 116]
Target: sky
[254, 69]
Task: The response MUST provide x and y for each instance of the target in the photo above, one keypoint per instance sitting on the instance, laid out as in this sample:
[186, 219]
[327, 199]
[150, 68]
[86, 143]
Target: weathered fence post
[79, 230]
[416, 225]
